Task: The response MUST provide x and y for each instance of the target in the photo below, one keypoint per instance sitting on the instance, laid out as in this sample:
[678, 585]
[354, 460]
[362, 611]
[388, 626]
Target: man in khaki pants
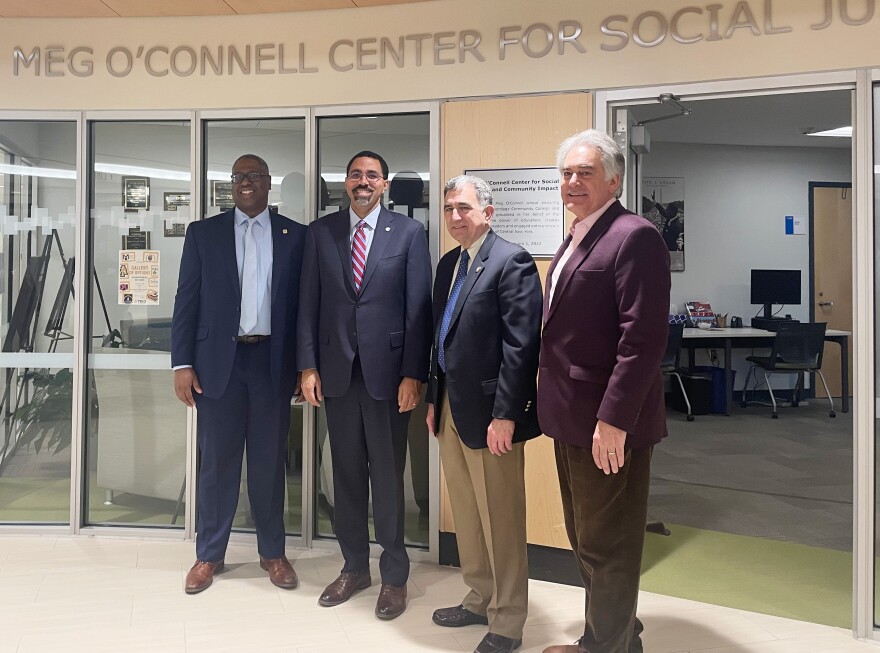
[487, 329]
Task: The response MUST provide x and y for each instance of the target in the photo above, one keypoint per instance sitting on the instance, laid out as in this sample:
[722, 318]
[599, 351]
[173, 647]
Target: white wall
[736, 200]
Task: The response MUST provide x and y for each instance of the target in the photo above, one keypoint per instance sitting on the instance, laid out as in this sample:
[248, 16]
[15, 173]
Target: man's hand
[185, 381]
[608, 444]
[297, 390]
[499, 436]
[408, 394]
[310, 384]
[429, 420]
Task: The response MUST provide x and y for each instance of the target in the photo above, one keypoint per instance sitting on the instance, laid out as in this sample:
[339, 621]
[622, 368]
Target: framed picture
[173, 200]
[136, 193]
[221, 194]
[136, 239]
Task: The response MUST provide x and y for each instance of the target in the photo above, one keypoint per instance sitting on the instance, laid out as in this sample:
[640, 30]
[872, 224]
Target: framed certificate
[135, 193]
[221, 194]
[173, 200]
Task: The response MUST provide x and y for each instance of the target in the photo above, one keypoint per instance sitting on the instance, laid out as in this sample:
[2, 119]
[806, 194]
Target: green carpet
[751, 573]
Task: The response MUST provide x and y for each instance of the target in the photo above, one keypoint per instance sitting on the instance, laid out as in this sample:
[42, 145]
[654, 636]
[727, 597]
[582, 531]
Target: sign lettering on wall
[528, 207]
[685, 26]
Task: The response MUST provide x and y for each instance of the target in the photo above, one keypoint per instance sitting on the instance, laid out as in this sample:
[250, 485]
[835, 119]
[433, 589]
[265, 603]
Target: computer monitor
[775, 287]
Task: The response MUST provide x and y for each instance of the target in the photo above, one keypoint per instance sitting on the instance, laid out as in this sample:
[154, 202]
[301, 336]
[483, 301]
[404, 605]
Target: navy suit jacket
[492, 344]
[388, 324]
[208, 302]
[605, 333]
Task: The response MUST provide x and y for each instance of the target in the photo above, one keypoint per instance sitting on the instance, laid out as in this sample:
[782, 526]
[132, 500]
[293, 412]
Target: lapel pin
[479, 268]
[387, 228]
[284, 231]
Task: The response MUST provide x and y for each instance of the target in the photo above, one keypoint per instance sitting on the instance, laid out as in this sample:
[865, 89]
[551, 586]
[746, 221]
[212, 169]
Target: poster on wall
[663, 205]
[138, 277]
[528, 208]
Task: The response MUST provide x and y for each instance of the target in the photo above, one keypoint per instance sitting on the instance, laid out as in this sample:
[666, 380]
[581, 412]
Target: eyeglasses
[371, 177]
[238, 177]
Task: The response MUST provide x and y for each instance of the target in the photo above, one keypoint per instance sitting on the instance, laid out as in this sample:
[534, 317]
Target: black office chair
[797, 348]
[669, 364]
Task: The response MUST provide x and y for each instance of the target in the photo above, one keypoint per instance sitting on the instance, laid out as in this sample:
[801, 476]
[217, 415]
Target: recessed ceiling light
[839, 132]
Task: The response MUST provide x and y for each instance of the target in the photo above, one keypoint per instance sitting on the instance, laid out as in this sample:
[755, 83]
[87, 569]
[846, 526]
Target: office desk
[751, 338]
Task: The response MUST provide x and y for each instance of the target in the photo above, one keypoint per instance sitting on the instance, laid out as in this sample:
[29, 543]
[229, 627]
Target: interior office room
[771, 522]
[746, 487]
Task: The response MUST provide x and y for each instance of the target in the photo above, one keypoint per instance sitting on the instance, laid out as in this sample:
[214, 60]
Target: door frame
[863, 281]
[811, 391]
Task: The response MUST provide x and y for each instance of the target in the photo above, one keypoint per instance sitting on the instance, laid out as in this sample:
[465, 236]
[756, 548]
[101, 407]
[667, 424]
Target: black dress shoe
[457, 617]
[493, 643]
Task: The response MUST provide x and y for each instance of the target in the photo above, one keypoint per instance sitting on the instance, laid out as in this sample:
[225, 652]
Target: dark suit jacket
[492, 343]
[208, 303]
[388, 325]
[605, 334]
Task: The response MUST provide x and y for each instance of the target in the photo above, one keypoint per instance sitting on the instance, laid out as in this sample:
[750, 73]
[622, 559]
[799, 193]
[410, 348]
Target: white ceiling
[771, 120]
[156, 8]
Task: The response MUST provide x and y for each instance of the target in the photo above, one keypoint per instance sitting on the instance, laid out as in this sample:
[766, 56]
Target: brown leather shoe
[281, 572]
[391, 603]
[341, 589]
[201, 575]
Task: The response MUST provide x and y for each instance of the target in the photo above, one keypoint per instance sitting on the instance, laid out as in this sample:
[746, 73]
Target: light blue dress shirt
[263, 236]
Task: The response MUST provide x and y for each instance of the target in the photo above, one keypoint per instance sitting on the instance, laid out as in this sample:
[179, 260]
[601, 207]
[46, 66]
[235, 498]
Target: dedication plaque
[135, 193]
[221, 194]
[528, 208]
[173, 228]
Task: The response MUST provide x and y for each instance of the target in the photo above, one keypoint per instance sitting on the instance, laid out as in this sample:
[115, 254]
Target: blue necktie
[250, 292]
[450, 306]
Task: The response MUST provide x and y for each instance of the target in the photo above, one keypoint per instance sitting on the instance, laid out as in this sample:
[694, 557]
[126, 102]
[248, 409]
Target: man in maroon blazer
[600, 393]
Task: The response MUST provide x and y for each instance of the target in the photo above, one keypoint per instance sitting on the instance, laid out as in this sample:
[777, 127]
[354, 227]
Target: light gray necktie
[249, 289]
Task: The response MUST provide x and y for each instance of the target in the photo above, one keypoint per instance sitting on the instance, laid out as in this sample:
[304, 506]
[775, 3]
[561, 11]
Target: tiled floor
[110, 596]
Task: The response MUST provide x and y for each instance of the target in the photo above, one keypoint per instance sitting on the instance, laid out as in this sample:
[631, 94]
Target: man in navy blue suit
[233, 350]
[364, 339]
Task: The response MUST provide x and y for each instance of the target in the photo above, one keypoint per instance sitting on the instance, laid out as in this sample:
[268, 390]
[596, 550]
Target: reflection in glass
[136, 432]
[403, 141]
[281, 143]
[37, 227]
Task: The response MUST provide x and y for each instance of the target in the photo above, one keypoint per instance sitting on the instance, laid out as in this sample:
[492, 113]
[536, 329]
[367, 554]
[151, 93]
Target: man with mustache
[364, 338]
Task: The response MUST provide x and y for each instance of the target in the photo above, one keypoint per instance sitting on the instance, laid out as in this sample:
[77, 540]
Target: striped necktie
[359, 255]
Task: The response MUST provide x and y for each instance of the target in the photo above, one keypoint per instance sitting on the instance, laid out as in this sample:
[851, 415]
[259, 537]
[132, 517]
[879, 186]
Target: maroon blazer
[605, 334]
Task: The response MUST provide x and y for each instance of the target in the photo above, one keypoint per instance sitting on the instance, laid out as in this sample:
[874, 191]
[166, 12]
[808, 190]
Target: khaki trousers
[488, 499]
[605, 518]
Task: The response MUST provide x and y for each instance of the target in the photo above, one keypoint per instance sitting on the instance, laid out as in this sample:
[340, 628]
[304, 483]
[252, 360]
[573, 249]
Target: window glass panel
[37, 219]
[281, 143]
[136, 427]
[403, 140]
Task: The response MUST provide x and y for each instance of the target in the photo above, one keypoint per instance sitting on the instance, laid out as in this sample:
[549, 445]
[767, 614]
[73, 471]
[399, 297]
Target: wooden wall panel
[507, 133]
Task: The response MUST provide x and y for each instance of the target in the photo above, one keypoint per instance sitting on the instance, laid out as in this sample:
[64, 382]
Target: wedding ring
[612, 453]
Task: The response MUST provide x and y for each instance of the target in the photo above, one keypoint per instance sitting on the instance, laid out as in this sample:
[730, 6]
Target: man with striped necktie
[363, 343]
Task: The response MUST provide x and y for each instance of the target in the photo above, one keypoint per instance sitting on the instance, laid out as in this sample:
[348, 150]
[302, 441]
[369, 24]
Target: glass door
[135, 427]
[281, 142]
[404, 141]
